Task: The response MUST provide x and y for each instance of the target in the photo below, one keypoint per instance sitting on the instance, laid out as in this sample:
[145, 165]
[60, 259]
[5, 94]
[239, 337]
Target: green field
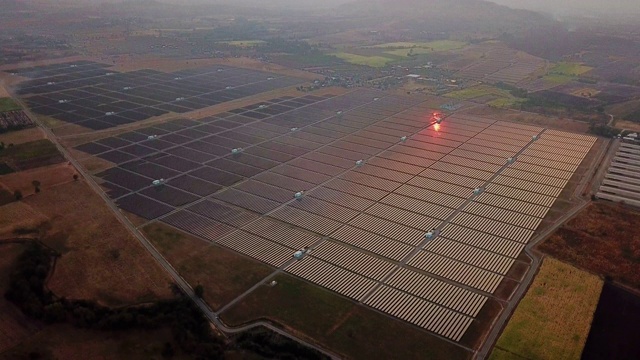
[502, 98]
[372, 61]
[432, 46]
[243, 43]
[339, 324]
[554, 318]
[29, 150]
[7, 104]
[569, 69]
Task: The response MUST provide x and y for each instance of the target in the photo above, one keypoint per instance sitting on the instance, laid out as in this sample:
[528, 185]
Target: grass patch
[500, 98]
[553, 319]
[432, 46]
[371, 61]
[557, 79]
[569, 69]
[8, 104]
[243, 43]
[30, 150]
[339, 324]
[223, 273]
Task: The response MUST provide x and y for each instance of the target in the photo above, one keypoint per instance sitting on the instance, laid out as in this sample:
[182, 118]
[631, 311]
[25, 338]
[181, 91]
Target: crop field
[553, 320]
[17, 215]
[570, 69]
[48, 176]
[7, 104]
[22, 136]
[432, 46]
[601, 239]
[243, 43]
[372, 61]
[495, 97]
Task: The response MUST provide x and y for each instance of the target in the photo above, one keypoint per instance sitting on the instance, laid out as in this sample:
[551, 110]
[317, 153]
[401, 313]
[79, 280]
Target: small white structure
[293, 129]
[438, 119]
[51, 83]
[511, 160]
[376, 99]
[177, 78]
[236, 150]
[273, 283]
[534, 137]
[228, 87]
[430, 235]
[158, 182]
[73, 66]
[263, 106]
[220, 70]
[300, 253]
[62, 101]
[126, 88]
[359, 162]
[270, 78]
[298, 195]
[339, 112]
[403, 139]
[109, 113]
[152, 137]
[179, 98]
[477, 191]
[109, 74]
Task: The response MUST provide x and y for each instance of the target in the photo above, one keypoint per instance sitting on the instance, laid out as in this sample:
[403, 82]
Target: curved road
[183, 284]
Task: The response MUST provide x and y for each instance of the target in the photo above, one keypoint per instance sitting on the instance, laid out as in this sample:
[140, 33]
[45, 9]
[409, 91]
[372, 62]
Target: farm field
[493, 96]
[337, 323]
[372, 61]
[553, 320]
[570, 69]
[48, 176]
[243, 43]
[602, 240]
[434, 46]
[7, 104]
[223, 273]
[628, 125]
[22, 136]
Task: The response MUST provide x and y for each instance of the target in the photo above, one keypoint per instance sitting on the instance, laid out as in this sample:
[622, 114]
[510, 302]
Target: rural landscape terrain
[294, 180]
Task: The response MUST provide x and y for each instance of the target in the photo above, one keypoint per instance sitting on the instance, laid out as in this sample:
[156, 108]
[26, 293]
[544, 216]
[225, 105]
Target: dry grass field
[223, 274]
[100, 259]
[553, 320]
[604, 239]
[14, 326]
[628, 125]
[18, 215]
[350, 329]
[48, 176]
[70, 343]
[22, 136]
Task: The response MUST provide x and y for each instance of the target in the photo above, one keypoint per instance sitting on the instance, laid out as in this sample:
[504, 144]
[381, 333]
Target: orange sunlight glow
[436, 127]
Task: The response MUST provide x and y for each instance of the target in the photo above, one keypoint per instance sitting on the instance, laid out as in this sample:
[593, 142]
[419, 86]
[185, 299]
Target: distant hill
[449, 15]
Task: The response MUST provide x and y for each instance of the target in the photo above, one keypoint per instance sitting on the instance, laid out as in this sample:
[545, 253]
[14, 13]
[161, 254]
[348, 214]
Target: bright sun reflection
[436, 127]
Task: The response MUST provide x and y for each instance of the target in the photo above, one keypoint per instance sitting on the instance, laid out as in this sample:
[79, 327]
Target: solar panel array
[363, 222]
[91, 95]
[622, 181]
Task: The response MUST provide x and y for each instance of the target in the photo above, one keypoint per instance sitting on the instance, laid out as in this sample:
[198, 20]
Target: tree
[18, 195]
[36, 184]
[199, 290]
[75, 177]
